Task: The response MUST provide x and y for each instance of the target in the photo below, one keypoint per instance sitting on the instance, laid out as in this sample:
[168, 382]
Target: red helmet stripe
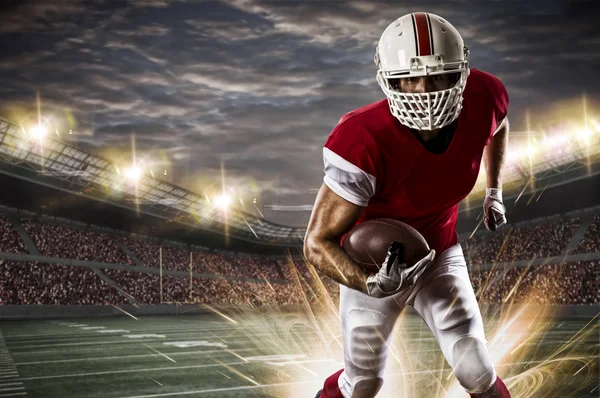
[423, 37]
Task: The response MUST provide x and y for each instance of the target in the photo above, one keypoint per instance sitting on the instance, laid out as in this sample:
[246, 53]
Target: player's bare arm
[332, 217]
[494, 156]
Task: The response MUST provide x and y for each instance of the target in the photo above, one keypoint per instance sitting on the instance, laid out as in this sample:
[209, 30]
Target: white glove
[493, 209]
[395, 276]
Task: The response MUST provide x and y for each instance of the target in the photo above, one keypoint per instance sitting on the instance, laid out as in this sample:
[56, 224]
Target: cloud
[36, 16]
[258, 85]
[145, 31]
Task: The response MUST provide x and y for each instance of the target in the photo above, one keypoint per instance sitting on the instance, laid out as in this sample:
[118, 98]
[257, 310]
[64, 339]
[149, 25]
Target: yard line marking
[12, 388]
[141, 330]
[228, 363]
[29, 353]
[174, 333]
[128, 357]
[128, 343]
[225, 389]
[110, 372]
[80, 334]
[129, 346]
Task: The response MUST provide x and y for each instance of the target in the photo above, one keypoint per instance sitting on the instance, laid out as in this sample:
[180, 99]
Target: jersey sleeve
[499, 100]
[350, 157]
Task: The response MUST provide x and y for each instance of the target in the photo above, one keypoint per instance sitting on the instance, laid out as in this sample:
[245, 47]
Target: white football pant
[445, 300]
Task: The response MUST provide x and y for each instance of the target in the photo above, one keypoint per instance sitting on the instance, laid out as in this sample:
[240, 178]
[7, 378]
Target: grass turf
[260, 356]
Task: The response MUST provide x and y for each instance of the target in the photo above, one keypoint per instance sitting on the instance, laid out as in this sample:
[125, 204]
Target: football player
[412, 156]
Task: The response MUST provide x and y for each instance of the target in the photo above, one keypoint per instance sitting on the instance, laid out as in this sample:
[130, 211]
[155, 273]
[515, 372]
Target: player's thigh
[448, 305]
[367, 323]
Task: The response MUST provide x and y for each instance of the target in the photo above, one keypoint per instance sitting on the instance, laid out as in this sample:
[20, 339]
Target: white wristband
[494, 193]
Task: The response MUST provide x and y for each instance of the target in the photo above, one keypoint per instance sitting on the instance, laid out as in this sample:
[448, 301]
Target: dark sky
[258, 86]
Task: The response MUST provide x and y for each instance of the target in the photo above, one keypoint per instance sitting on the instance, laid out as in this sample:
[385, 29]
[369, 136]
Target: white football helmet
[422, 44]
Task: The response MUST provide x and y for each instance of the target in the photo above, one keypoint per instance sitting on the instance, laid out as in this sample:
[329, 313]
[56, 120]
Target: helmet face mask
[422, 45]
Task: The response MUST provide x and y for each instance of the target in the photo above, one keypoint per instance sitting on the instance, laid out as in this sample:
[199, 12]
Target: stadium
[114, 291]
[131, 267]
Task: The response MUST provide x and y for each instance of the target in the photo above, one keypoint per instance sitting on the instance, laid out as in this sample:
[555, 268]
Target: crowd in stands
[72, 243]
[213, 263]
[178, 259]
[576, 283]
[525, 243]
[263, 268]
[241, 280]
[10, 242]
[145, 288]
[51, 284]
[591, 240]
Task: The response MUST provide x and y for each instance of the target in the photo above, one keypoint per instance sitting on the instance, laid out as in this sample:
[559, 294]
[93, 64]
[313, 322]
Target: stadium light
[38, 132]
[133, 173]
[585, 134]
[556, 141]
[222, 201]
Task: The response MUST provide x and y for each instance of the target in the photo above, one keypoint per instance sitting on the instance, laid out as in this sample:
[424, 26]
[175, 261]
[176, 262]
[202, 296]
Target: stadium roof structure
[555, 160]
[54, 163]
[67, 168]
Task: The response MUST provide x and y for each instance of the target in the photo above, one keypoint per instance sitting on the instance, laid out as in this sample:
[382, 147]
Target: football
[367, 243]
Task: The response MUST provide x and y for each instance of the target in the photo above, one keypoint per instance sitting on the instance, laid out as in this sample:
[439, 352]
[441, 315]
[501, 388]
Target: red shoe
[498, 390]
[330, 387]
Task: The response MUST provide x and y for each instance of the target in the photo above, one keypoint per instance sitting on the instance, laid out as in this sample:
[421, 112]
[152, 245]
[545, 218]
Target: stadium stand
[63, 242]
[10, 242]
[521, 243]
[235, 279]
[547, 284]
[35, 283]
[591, 239]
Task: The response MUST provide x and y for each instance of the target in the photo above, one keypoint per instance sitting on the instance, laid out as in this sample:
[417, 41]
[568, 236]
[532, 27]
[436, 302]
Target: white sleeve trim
[502, 124]
[347, 180]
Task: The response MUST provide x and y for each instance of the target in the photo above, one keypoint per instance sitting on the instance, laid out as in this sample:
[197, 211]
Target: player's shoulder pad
[352, 140]
[496, 91]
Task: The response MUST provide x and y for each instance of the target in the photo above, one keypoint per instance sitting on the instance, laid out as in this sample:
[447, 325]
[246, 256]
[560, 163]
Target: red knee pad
[330, 387]
[498, 390]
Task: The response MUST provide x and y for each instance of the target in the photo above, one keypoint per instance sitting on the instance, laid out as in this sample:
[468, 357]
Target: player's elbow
[314, 248]
[311, 247]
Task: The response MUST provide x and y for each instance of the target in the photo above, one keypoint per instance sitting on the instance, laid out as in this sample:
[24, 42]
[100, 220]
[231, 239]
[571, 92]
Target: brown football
[368, 242]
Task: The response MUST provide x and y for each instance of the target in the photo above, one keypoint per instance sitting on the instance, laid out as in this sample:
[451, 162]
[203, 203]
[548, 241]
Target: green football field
[273, 355]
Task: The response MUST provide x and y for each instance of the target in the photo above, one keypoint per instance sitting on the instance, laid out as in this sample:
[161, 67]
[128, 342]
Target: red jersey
[374, 161]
